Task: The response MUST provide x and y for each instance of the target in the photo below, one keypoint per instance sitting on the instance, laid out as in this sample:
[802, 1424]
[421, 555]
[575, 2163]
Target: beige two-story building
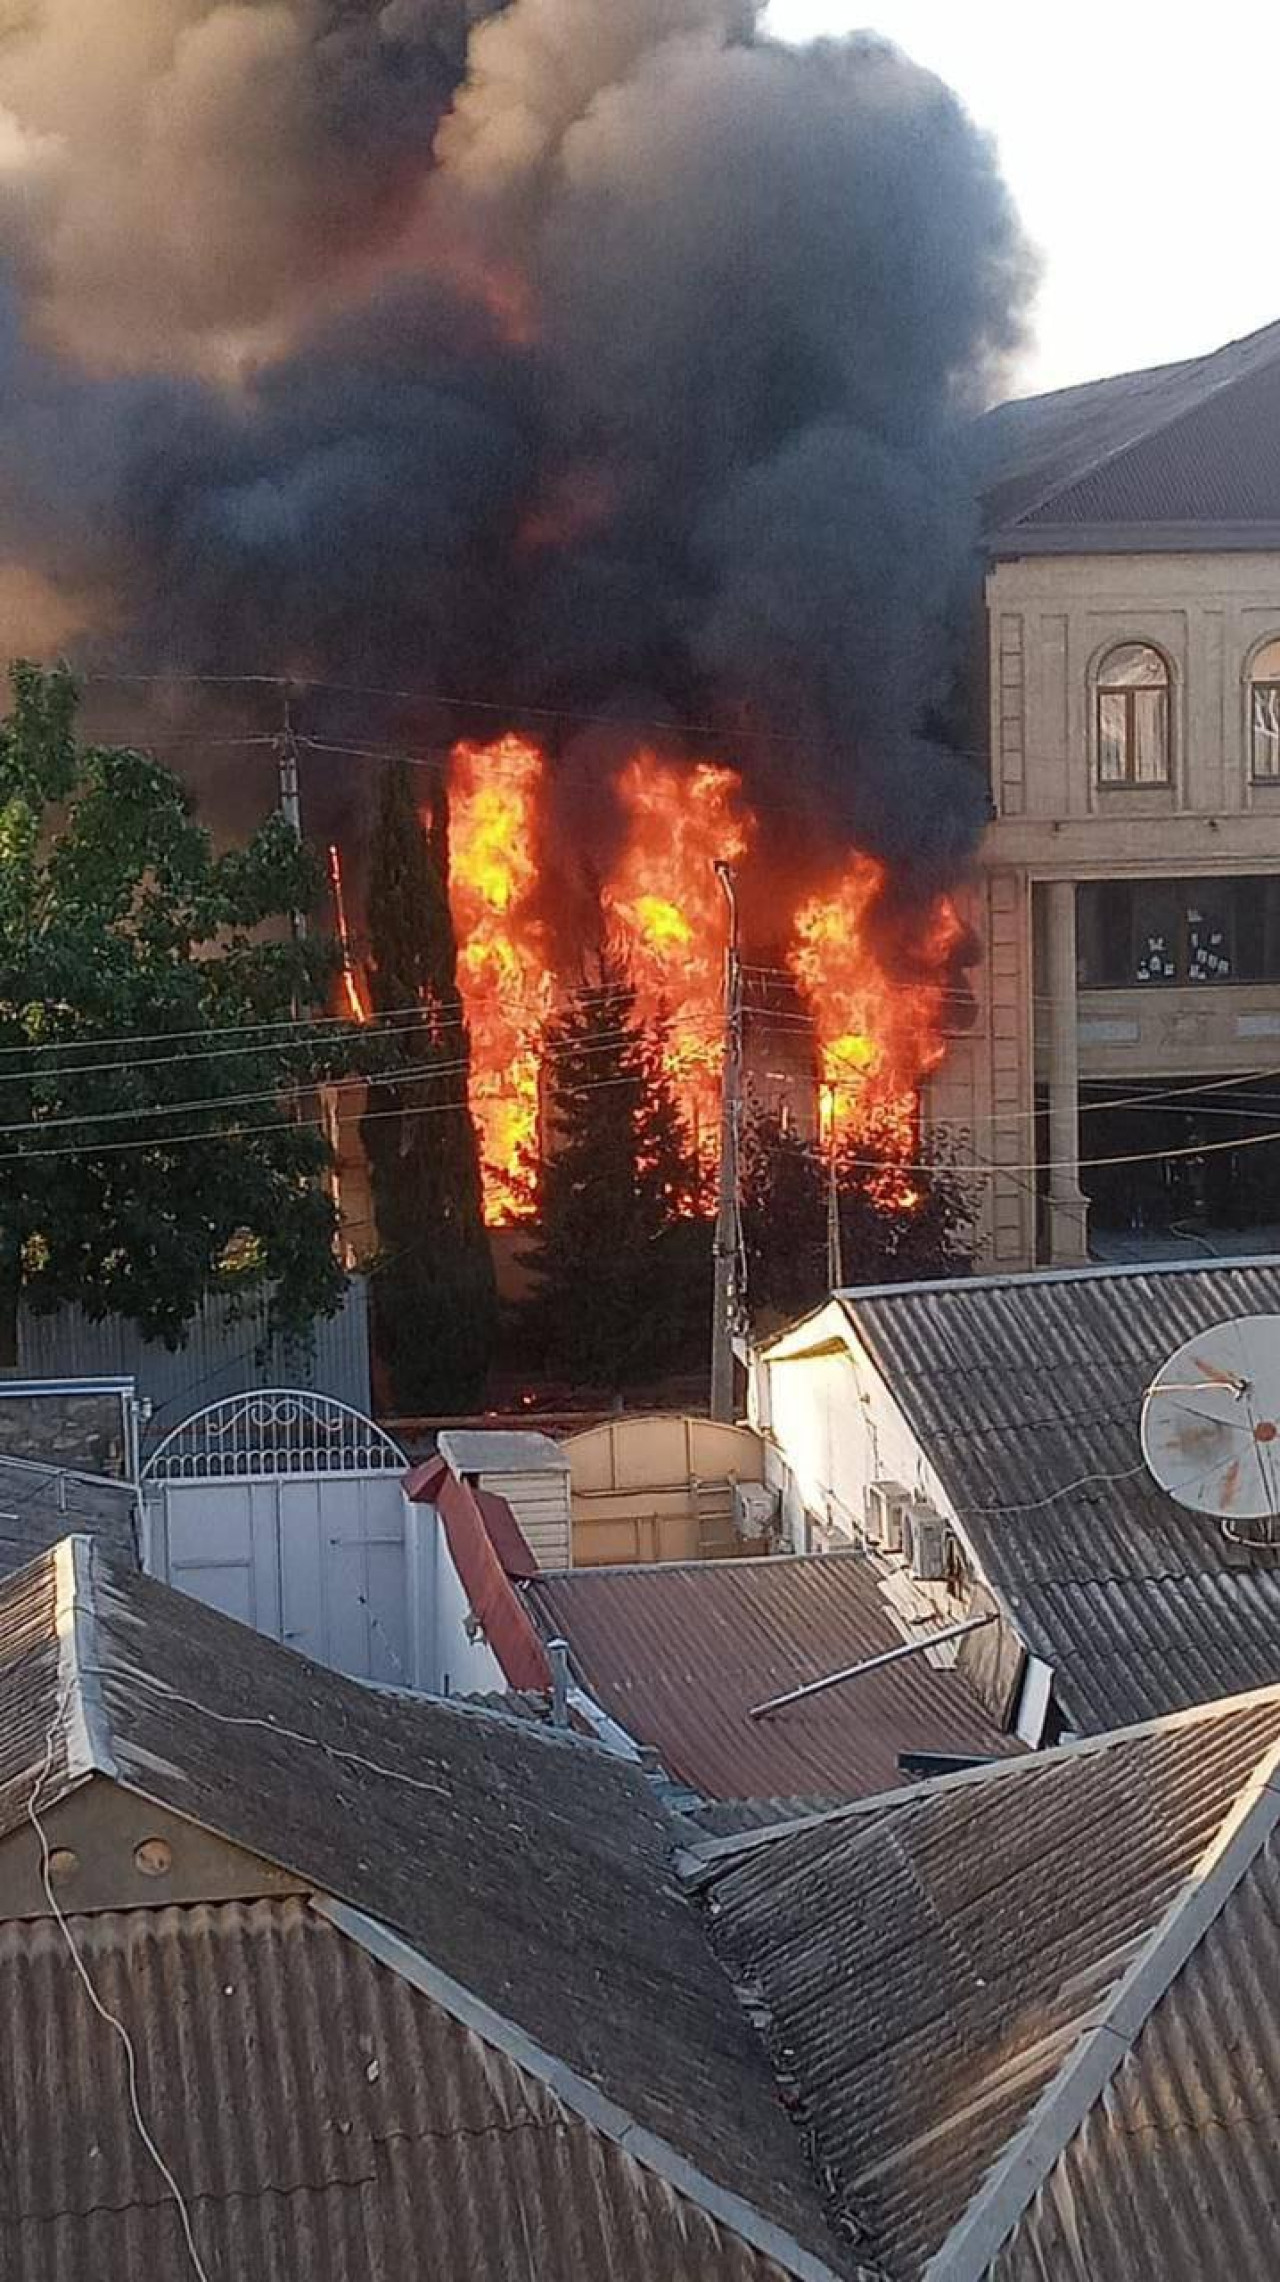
[1124, 1069]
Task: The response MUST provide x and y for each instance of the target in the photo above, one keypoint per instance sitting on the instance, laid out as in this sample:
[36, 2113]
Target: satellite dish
[1211, 1421]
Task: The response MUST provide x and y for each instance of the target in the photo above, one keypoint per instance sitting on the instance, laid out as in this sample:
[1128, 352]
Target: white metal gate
[285, 1509]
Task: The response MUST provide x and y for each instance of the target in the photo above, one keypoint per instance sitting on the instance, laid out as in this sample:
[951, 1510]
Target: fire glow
[665, 910]
[877, 1033]
[504, 974]
[879, 1036]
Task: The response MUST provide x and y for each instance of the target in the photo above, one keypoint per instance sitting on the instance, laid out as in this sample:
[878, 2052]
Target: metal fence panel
[221, 1356]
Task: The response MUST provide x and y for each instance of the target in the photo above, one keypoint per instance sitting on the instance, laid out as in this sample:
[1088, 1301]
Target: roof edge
[701, 1859]
[80, 1707]
[991, 2217]
[1013, 541]
[583, 2098]
[1020, 1278]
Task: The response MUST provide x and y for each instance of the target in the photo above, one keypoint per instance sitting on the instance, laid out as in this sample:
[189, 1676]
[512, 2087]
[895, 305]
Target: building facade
[1125, 1062]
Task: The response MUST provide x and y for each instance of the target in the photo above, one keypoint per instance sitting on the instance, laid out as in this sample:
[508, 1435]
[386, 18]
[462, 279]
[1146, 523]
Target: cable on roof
[104, 2012]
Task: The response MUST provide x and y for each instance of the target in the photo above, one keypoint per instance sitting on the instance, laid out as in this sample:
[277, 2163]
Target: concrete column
[1068, 1208]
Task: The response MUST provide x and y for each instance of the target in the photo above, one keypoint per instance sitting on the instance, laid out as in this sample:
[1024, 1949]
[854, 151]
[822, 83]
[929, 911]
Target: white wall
[445, 1661]
[834, 1428]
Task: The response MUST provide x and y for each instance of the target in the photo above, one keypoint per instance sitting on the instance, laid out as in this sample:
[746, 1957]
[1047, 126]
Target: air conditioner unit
[887, 1503]
[755, 1509]
[927, 1536]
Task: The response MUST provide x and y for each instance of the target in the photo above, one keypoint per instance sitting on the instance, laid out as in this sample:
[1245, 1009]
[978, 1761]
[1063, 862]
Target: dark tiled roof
[325, 2120]
[530, 1867]
[1183, 444]
[1016, 1388]
[1176, 2173]
[679, 1652]
[929, 1963]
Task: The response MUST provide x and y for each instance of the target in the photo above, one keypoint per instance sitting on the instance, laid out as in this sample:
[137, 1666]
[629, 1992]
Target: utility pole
[835, 1248]
[290, 796]
[726, 1239]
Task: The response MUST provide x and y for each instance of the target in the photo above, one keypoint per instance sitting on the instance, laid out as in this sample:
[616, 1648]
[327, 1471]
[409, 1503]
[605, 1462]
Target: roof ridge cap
[577, 2093]
[1158, 427]
[81, 1711]
[966, 2253]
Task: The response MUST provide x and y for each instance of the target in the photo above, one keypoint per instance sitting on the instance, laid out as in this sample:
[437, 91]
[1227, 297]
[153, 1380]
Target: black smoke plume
[600, 357]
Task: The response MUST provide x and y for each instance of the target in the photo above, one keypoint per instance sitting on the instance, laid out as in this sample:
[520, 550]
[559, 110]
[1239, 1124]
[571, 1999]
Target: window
[1133, 717]
[1135, 933]
[1264, 713]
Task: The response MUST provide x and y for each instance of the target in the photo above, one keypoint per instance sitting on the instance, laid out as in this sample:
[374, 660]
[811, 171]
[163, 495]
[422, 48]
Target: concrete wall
[833, 1422]
[1051, 620]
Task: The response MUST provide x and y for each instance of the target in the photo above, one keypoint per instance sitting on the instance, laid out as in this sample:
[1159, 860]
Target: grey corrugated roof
[1019, 1386]
[928, 1963]
[1175, 2173]
[39, 1503]
[679, 1651]
[325, 2120]
[726, 1818]
[1186, 443]
[530, 1868]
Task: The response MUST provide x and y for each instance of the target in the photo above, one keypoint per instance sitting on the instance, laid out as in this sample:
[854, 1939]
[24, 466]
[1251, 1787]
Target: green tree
[435, 1302]
[146, 989]
[621, 1254]
[893, 1229]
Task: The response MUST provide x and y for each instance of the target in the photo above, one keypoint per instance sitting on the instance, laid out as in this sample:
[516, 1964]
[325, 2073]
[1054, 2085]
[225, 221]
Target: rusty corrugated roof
[325, 2121]
[1017, 1387]
[679, 1652]
[930, 1963]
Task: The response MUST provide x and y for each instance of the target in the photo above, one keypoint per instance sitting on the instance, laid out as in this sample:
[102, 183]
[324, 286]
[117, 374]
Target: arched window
[1264, 714]
[1133, 716]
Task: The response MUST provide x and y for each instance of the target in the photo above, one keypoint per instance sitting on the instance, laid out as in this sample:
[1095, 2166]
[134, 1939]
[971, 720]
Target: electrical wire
[277, 1728]
[103, 2010]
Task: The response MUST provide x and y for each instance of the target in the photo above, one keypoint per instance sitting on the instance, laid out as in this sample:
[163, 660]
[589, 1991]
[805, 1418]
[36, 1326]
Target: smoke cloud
[601, 356]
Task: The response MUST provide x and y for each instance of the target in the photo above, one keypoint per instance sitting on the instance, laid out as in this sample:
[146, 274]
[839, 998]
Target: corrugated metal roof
[40, 1503]
[725, 1818]
[927, 1964]
[532, 1868]
[323, 2119]
[1174, 2172]
[679, 1652]
[1016, 1388]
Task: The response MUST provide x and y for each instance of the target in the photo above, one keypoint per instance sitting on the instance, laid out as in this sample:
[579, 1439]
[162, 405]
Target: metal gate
[285, 1509]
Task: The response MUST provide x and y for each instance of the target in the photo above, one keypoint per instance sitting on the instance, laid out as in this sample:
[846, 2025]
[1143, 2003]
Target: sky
[1142, 145]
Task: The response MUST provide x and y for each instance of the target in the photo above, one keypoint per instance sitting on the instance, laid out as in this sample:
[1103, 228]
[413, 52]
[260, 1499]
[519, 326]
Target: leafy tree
[784, 1221]
[146, 990]
[891, 1230]
[620, 1259]
[435, 1302]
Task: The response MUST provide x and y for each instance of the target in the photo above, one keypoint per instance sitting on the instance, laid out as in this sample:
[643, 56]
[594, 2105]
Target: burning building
[568, 390]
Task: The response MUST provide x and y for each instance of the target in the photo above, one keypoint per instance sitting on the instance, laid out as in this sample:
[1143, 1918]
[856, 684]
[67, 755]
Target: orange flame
[503, 972]
[666, 908]
[356, 1007]
[879, 1034]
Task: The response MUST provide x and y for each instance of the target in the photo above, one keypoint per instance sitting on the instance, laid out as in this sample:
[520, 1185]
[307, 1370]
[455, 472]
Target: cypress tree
[435, 1303]
[618, 1260]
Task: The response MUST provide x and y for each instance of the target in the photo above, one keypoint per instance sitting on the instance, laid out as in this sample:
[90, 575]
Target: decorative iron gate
[284, 1508]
